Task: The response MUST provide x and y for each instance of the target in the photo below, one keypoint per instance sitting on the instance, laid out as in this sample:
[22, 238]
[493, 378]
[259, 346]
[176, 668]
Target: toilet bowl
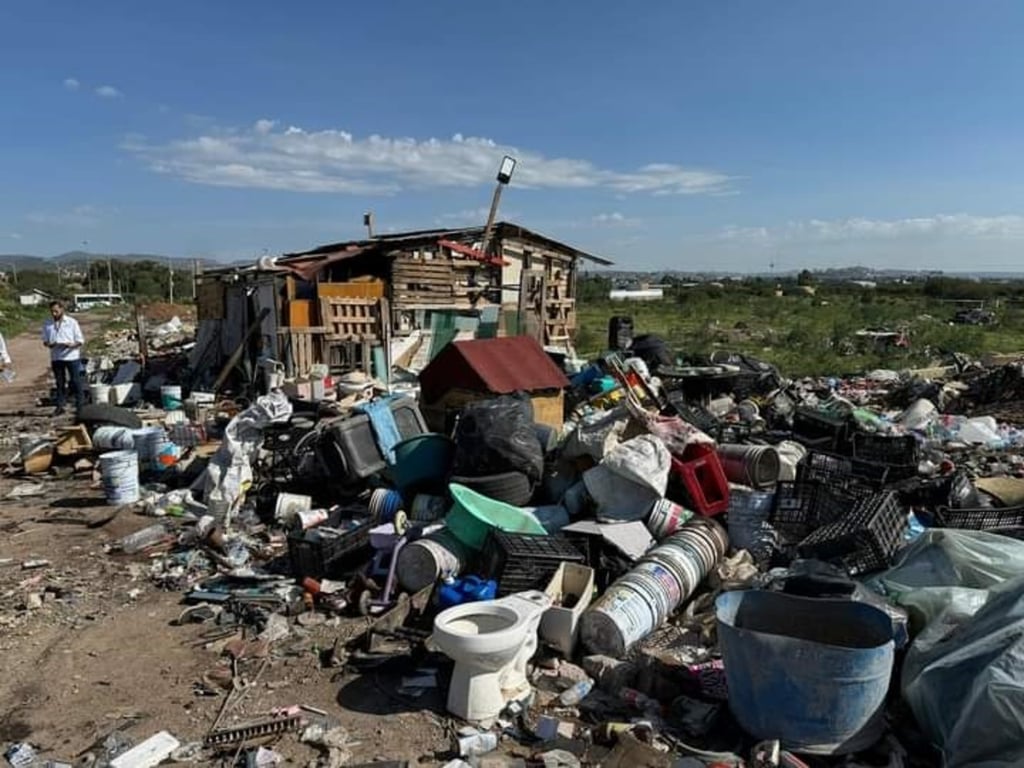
[490, 642]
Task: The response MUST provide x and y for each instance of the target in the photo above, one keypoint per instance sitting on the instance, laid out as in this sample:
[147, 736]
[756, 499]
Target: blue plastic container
[423, 461]
[469, 589]
[811, 672]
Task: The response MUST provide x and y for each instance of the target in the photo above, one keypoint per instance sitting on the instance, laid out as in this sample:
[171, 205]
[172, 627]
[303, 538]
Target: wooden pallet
[300, 348]
[351, 319]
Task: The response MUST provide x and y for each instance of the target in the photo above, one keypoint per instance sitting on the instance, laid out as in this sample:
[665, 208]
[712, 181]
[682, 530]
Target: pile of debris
[697, 565]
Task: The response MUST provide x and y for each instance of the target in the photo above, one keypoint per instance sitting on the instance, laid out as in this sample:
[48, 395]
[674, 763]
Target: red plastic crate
[703, 480]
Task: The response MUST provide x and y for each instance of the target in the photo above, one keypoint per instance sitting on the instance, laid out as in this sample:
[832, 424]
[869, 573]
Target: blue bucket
[423, 461]
[811, 672]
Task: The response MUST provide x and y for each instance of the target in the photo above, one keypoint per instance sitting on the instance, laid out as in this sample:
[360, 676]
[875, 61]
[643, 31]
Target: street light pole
[508, 166]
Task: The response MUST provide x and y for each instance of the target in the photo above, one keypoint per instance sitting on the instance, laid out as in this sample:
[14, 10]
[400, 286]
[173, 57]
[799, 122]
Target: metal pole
[110, 277]
[486, 244]
[170, 281]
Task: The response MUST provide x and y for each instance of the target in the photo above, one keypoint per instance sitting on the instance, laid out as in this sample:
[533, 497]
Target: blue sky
[720, 134]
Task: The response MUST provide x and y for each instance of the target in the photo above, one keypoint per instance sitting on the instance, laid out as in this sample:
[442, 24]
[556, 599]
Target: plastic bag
[497, 436]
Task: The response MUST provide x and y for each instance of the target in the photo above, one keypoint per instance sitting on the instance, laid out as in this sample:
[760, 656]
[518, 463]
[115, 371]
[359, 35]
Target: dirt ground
[91, 646]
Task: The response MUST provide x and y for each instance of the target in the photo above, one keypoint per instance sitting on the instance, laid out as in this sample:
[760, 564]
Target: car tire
[102, 414]
[510, 487]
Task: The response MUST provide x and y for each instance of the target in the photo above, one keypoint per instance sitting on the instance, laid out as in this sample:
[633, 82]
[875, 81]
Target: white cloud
[79, 216]
[108, 92]
[615, 219]
[72, 84]
[940, 226]
[14, 235]
[291, 158]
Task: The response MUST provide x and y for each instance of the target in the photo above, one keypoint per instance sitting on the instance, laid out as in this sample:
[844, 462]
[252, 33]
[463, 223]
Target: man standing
[63, 336]
[6, 371]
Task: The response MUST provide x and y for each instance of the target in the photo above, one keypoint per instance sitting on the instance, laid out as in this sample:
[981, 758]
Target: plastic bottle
[572, 696]
[139, 540]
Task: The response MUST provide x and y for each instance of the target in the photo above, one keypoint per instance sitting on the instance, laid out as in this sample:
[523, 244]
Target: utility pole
[170, 280]
[110, 276]
[195, 275]
[88, 269]
[368, 223]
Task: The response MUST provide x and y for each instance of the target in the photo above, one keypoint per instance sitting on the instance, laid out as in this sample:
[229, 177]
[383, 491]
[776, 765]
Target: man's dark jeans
[68, 375]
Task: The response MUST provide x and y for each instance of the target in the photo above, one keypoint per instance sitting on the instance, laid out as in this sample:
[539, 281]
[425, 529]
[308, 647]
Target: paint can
[36, 453]
[425, 560]
[619, 619]
[148, 441]
[638, 603]
[757, 466]
[113, 438]
[120, 473]
[311, 518]
[290, 505]
[665, 518]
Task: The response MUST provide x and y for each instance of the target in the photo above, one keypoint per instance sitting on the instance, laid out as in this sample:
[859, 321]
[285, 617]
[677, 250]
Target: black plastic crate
[821, 430]
[863, 540]
[800, 508]
[694, 414]
[319, 552]
[842, 471]
[980, 518]
[521, 562]
[898, 452]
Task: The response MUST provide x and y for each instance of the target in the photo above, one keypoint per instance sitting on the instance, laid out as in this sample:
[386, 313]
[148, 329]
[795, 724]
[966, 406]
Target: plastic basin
[423, 459]
[473, 515]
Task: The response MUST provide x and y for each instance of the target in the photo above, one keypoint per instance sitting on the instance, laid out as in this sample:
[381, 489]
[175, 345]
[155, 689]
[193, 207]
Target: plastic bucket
[811, 672]
[427, 509]
[384, 503]
[170, 397]
[664, 581]
[423, 461]
[148, 441]
[424, 561]
[755, 465]
[99, 393]
[120, 473]
[619, 619]
[666, 518]
[289, 505]
[113, 438]
[748, 521]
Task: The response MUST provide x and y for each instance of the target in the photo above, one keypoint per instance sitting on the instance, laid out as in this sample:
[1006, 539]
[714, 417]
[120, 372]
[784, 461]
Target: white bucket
[666, 518]
[120, 472]
[620, 618]
[639, 602]
[170, 397]
[148, 442]
[121, 394]
[99, 393]
[291, 505]
[113, 438]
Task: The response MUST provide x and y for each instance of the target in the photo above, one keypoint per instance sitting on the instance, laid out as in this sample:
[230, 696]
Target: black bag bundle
[498, 435]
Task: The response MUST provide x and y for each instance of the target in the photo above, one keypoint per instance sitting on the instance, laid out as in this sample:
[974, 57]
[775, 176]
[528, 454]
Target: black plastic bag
[496, 436]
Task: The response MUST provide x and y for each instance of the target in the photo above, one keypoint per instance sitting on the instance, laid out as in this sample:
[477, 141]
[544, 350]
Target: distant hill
[71, 258]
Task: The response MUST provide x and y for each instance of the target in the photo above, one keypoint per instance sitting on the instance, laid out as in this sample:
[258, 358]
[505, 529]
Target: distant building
[864, 283]
[34, 298]
[637, 294]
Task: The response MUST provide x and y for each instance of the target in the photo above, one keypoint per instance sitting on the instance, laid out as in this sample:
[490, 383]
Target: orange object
[311, 585]
[300, 313]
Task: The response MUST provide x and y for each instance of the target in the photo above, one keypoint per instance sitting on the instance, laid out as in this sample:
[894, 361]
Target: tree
[805, 277]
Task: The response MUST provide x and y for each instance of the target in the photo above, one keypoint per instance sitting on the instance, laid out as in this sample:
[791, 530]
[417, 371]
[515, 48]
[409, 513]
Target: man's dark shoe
[58, 411]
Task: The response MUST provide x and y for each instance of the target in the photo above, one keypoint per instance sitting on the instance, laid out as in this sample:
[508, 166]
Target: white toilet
[490, 642]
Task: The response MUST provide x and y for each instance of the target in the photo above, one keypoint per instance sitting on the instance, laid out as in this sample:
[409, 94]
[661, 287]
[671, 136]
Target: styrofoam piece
[149, 753]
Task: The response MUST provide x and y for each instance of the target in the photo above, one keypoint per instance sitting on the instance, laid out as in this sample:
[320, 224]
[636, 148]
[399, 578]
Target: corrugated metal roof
[499, 366]
[502, 229]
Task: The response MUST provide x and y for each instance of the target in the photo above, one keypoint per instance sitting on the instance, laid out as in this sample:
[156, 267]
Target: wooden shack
[344, 305]
[469, 371]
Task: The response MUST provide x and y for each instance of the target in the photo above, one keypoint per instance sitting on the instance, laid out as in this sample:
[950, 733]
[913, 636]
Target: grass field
[805, 335]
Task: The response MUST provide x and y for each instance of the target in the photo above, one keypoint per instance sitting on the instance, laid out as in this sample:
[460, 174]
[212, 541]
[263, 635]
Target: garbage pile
[708, 565]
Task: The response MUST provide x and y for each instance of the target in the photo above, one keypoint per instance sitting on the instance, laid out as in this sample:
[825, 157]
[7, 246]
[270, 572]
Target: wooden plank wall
[558, 304]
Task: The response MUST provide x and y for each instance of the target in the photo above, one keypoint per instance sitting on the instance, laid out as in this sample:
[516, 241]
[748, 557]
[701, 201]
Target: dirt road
[90, 645]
